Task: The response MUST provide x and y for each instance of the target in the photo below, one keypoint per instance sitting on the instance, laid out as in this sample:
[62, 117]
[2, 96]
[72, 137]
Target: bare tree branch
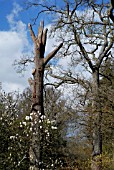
[31, 32]
[72, 80]
[52, 54]
[105, 52]
[110, 10]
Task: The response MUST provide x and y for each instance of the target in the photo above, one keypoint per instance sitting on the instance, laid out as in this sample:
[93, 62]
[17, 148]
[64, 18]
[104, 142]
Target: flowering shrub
[16, 129]
[50, 141]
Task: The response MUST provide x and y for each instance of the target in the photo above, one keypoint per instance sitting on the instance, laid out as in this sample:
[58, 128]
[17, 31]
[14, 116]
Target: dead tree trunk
[37, 93]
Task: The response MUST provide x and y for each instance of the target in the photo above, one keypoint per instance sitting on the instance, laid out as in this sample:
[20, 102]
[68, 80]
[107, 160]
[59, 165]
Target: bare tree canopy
[87, 30]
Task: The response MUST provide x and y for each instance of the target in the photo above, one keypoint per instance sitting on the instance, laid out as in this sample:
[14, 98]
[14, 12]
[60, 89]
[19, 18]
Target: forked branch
[52, 54]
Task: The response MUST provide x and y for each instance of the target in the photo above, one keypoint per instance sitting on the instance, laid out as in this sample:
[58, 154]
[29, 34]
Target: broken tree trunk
[37, 84]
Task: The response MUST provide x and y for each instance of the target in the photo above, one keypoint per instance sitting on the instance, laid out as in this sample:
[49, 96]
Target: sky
[15, 42]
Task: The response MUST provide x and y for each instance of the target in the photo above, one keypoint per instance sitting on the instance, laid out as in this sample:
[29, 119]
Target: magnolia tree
[16, 132]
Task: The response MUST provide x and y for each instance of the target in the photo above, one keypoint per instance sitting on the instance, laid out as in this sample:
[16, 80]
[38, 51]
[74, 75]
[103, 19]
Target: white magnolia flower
[27, 117]
[39, 113]
[42, 117]
[40, 127]
[35, 122]
[12, 137]
[40, 121]
[48, 134]
[21, 125]
[46, 131]
[48, 121]
[24, 123]
[30, 117]
[53, 127]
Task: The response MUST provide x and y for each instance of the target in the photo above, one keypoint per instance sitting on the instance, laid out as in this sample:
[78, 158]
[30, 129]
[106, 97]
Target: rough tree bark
[97, 121]
[37, 92]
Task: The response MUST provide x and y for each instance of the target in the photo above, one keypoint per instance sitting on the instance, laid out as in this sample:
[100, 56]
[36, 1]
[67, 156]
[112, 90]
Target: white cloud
[13, 45]
[14, 13]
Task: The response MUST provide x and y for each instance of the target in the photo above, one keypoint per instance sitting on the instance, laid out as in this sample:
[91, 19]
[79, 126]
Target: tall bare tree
[37, 84]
